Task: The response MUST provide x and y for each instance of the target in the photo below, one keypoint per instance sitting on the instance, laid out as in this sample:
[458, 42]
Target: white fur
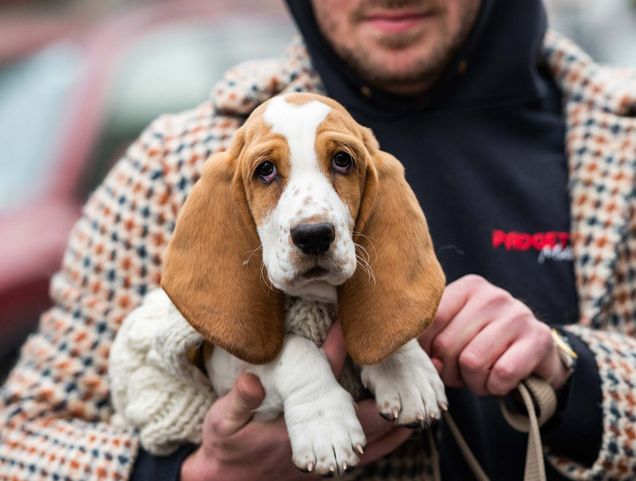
[324, 430]
[319, 414]
[406, 385]
[308, 194]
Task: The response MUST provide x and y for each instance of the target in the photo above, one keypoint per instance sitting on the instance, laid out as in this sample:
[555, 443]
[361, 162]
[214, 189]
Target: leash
[537, 395]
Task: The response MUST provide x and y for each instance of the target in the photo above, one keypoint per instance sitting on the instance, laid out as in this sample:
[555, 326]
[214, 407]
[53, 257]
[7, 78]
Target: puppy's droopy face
[300, 181]
[304, 163]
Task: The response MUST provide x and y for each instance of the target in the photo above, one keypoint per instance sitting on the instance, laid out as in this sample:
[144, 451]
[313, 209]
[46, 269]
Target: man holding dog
[522, 153]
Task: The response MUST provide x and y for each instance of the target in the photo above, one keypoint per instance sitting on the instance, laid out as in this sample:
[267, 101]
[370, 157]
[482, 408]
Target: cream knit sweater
[156, 385]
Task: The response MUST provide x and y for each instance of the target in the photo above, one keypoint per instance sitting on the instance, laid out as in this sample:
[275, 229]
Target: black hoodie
[484, 152]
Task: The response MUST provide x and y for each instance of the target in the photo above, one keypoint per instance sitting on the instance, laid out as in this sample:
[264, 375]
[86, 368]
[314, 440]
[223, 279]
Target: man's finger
[438, 363]
[374, 425]
[453, 300]
[386, 444]
[234, 410]
[481, 353]
[512, 367]
[335, 349]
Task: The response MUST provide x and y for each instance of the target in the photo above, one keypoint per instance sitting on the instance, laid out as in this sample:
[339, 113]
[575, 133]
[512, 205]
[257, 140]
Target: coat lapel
[601, 148]
[601, 165]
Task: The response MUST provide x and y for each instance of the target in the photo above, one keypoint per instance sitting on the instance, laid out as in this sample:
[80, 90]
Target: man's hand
[487, 340]
[235, 447]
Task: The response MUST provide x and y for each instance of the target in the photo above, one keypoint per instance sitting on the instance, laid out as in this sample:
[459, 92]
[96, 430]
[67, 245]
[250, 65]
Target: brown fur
[212, 267]
[262, 144]
[346, 138]
[382, 313]
[226, 298]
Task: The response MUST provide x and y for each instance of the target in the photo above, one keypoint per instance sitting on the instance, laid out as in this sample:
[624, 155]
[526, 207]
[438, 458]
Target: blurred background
[80, 79]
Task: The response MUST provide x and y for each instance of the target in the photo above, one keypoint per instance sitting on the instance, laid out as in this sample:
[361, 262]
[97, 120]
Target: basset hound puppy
[305, 204]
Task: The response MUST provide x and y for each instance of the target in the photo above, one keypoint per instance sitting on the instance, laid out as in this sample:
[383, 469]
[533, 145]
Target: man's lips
[395, 22]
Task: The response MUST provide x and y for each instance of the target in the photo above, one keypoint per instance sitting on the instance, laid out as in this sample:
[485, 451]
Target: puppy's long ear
[382, 312]
[212, 267]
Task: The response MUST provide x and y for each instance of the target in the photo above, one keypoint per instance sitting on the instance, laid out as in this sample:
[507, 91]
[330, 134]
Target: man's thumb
[335, 349]
[235, 409]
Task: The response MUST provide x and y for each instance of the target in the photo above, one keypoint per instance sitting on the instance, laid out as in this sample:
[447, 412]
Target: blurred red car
[70, 109]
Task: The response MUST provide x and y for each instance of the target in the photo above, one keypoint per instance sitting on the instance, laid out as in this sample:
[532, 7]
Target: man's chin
[388, 69]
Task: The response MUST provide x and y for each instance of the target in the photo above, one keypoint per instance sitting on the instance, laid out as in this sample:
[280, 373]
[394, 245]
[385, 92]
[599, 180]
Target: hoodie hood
[497, 63]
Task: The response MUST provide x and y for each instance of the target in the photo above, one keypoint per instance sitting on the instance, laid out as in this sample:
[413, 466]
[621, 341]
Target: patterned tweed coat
[54, 408]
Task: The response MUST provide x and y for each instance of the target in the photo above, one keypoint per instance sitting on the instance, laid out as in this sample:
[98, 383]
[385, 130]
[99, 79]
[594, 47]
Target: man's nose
[313, 238]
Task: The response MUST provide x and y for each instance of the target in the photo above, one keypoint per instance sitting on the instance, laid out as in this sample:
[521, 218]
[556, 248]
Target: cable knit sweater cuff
[155, 387]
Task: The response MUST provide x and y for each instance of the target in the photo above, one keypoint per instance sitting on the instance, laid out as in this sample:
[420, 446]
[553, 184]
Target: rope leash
[536, 394]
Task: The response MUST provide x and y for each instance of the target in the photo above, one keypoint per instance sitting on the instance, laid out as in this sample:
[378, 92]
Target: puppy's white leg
[407, 387]
[324, 431]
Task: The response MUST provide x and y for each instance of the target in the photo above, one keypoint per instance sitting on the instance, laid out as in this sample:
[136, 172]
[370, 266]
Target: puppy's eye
[266, 171]
[342, 162]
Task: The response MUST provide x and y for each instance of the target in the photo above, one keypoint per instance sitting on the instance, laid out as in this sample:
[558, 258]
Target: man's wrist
[564, 358]
[579, 410]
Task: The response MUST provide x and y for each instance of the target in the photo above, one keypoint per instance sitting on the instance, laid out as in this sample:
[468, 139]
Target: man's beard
[425, 70]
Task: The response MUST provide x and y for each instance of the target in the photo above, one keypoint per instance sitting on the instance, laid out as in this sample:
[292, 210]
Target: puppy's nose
[313, 238]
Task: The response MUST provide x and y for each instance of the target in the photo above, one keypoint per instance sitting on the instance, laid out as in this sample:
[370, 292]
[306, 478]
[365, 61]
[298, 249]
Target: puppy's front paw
[407, 387]
[325, 434]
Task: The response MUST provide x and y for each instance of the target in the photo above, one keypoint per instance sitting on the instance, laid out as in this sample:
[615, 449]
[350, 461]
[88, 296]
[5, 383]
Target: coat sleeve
[613, 455]
[55, 412]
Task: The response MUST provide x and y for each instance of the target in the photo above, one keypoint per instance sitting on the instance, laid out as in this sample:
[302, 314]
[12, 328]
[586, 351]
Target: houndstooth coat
[54, 408]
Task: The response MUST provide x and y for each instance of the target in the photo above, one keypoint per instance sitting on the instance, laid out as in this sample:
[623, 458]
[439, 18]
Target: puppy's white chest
[223, 369]
[310, 320]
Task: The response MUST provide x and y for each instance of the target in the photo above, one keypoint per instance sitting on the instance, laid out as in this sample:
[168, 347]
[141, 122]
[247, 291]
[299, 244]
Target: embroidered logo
[549, 245]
